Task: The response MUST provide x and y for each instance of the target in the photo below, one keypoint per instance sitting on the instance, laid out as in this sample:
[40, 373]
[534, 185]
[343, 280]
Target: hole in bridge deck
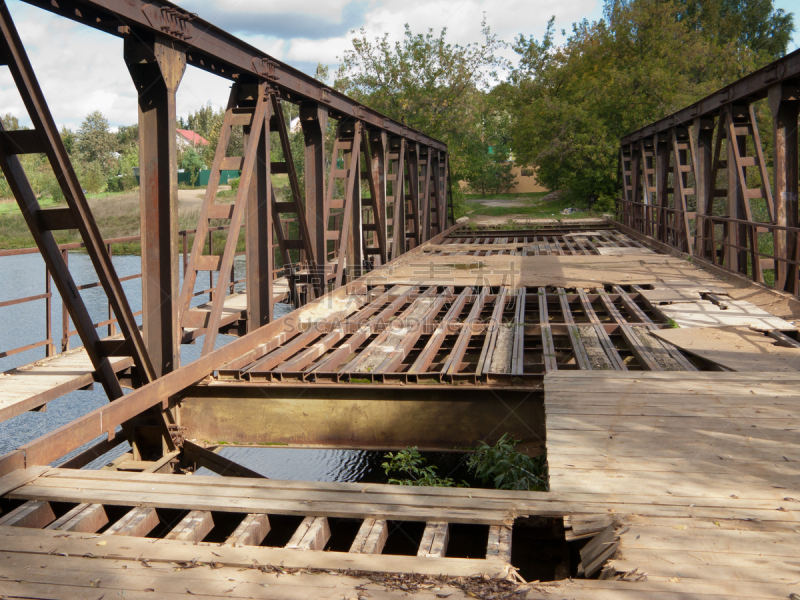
[404, 537]
[337, 465]
[282, 528]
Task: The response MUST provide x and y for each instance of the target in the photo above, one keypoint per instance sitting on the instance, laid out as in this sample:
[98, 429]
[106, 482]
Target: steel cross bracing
[44, 138]
[698, 180]
[318, 235]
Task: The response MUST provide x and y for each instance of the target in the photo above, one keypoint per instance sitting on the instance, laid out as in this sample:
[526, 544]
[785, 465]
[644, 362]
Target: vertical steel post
[702, 136]
[636, 185]
[412, 196]
[661, 151]
[736, 233]
[378, 147]
[355, 238]
[65, 313]
[156, 67]
[425, 197]
[260, 257]
[784, 102]
[314, 121]
[50, 349]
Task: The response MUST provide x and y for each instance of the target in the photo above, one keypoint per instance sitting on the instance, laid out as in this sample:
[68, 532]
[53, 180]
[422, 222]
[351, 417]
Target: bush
[92, 179]
[410, 462]
[114, 184]
[605, 204]
[507, 468]
[234, 183]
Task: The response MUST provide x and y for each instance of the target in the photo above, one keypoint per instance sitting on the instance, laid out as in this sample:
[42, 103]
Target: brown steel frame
[665, 165]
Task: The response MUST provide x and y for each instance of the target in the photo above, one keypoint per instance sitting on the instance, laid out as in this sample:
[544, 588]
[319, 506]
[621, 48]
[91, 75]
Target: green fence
[202, 179]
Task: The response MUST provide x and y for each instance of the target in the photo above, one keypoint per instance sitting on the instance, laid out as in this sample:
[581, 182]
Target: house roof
[193, 138]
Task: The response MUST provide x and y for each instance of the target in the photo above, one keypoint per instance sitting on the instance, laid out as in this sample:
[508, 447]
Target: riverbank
[117, 215]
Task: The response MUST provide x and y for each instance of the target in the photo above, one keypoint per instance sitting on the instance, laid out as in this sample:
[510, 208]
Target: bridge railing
[57, 337]
[714, 182]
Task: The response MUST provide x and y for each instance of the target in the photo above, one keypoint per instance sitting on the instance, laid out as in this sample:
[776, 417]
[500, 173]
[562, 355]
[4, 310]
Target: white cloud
[82, 70]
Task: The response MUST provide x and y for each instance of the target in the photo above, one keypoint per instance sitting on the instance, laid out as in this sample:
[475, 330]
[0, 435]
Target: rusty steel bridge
[651, 355]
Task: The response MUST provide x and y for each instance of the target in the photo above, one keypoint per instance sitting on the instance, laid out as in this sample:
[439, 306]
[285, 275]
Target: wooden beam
[34, 513]
[193, 527]
[434, 540]
[137, 522]
[85, 518]
[371, 537]
[313, 534]
[251, 531]
[499, 544]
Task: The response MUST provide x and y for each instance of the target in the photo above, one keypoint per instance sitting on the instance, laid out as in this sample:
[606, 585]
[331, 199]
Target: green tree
[489, 162]
[192, 161]
[427, 83]
[127, 137]
[571, 104]
[755, 24]
[10, 122]
[92, 177]
[95, 142]
[68, 138]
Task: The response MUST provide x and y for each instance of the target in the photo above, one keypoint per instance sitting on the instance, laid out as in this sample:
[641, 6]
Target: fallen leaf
[103, 543]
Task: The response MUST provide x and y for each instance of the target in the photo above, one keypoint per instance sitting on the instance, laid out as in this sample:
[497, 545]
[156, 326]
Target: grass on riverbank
[530, 205]
[117, 216]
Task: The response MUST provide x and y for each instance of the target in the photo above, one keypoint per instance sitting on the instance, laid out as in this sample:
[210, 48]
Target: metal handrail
[64, 341]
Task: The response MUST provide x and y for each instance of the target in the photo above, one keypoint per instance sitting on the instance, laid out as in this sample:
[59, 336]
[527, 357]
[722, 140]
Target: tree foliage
[192, 162]
[756, 24]
[572, 103]
[95, 143]
[427, 83]
[208, 123]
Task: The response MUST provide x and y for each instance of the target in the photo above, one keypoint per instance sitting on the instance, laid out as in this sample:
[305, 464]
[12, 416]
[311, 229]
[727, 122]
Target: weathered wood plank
[251, 531]
[193, 527]
[312, 534]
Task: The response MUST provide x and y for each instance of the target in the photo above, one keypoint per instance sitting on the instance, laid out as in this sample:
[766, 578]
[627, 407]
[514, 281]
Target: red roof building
[190, 138]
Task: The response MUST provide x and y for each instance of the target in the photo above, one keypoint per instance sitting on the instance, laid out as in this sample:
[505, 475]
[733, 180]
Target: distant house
[187, 139]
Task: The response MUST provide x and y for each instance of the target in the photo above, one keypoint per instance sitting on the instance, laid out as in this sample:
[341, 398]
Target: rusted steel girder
[721, 134]
[750, 88]
[104, 420]
[157, 68]
[223, 54]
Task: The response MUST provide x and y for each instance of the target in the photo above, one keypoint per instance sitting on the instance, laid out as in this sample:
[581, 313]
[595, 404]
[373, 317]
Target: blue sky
[82, 70]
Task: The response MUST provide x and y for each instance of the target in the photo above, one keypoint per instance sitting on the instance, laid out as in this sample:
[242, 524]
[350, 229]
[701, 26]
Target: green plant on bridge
[410, 463]
[506, 468]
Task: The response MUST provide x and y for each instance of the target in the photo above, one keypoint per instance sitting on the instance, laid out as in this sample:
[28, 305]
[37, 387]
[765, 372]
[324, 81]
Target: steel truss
[698, 181]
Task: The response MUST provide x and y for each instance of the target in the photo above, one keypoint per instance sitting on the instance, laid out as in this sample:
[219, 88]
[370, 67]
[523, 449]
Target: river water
[22, 324]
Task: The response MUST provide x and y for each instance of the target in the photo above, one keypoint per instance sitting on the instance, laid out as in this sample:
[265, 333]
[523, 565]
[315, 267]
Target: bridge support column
[662, 153]
[425, 196]
[703, 133]
[260, 253]
[156, 68]
[314, 121]
[784, 101]
[378, 147]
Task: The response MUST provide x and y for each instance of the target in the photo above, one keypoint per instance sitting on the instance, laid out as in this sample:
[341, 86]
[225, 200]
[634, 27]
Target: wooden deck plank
[634, 434]
[41, 542]
[28, 387]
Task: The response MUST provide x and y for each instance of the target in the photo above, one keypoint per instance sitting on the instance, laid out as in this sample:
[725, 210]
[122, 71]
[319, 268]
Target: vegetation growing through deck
[500, 465]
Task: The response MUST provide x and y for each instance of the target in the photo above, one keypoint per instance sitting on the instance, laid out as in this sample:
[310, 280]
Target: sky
[82, 70]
